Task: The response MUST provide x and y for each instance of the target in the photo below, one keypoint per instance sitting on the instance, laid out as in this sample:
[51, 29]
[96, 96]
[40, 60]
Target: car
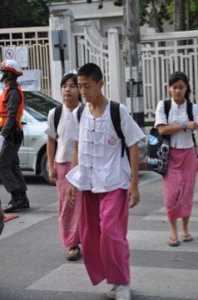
[32, 153]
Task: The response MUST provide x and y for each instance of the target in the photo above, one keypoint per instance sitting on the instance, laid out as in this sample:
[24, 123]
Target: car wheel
[44, 167]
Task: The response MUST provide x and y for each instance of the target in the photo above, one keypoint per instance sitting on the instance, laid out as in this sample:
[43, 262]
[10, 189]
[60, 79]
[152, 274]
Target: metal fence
[91, 47]
[163, 54]
[36, 39]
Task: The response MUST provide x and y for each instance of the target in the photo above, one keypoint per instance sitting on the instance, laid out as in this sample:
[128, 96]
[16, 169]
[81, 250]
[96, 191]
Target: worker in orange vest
[11, 136]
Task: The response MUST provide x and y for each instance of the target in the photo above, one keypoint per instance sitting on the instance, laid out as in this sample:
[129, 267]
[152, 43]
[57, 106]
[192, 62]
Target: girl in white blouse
[59, 152]
[183, 163]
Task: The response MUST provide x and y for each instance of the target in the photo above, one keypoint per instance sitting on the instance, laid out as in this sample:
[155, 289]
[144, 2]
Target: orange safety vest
[4, 110]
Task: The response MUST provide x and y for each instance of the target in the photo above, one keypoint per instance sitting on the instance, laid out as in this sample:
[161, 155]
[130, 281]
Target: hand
[133, 195]
[191, 125]
[2, 139]
[52, 174]
[71, 195]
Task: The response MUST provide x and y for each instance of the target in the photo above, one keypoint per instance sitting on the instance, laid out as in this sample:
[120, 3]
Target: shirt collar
[173, 103]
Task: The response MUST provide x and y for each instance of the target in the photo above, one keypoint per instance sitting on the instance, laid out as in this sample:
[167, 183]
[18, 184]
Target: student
[104, 176]
[59, 151]
[180, 179]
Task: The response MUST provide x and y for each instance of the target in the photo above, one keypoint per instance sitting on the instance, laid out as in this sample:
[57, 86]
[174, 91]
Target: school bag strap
[191, 118]
[57, 115]
[116, 120]
[80, 111]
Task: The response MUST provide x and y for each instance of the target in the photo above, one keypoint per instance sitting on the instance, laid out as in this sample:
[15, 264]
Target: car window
[35, 114]
[38, 105]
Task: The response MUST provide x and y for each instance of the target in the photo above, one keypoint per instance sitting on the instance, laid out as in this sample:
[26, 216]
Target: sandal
[187, 237]
[173, 243]
[73, 253]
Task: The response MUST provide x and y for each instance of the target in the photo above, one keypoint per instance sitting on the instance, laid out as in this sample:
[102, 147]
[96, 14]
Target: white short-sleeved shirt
[177, 114]
[65, 134]
[101, 167]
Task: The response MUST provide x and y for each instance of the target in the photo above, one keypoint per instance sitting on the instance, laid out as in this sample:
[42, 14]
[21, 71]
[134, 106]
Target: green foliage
[22, 13]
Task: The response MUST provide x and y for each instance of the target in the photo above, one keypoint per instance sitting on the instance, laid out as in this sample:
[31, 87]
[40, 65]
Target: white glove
[2, 139]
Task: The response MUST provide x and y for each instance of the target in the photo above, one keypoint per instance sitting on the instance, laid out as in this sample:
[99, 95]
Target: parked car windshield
[38, 105]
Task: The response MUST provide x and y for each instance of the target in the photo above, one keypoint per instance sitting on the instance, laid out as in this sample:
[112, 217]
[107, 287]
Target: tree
[179, 14]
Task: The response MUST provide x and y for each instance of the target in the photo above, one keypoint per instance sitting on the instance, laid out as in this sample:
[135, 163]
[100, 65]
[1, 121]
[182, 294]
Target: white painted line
[157, 241]
[23, 222]
[155, 282]
[164, 218]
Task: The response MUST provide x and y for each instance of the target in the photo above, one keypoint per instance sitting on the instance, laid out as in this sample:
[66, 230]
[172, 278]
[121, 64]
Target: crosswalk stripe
[164, 218]
[147, 281]
[157, 241]
[23, 222]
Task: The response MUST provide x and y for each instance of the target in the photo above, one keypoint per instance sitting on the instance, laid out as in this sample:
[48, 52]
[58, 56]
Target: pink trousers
[103, 234]
[179, 183]
[69, 217]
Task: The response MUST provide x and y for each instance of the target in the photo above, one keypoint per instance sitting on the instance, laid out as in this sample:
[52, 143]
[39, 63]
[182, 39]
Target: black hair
[68, 76]
[92, 71]
[180, 76]
[74, 78]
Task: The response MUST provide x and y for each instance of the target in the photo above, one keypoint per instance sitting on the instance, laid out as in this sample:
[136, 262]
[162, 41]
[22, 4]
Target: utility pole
[132, 39]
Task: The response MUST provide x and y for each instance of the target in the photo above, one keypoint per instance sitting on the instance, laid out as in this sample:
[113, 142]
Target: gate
[36, 39]
[163, 54]
[91, 47]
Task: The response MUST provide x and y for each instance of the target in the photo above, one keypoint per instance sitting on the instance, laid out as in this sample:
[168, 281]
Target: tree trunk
[179, 15]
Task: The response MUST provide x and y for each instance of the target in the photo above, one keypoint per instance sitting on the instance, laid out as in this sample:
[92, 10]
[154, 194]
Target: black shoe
[16, 206]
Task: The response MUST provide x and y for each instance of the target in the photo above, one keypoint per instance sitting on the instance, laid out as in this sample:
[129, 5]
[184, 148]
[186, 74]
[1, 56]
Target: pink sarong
[69, 217]
[103, 235]
[179, 183]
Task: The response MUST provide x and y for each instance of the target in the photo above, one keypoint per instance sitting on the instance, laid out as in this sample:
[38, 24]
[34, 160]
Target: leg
[186, 236]
[8, 159]
[69, 217]
[113, 244]
[90, 237]
[173, 239]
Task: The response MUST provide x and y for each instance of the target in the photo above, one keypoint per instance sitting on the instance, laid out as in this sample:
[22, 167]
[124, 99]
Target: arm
[51, 150]
[176, 127]
[74, 160]
[133, 192]
[171, 129]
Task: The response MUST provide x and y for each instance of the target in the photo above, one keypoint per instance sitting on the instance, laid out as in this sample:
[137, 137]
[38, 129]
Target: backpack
[158, 146]
[116, 120]
[57, 115]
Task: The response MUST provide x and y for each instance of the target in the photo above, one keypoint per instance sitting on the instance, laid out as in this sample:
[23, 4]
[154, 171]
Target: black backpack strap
[116, 120]
[191, 118]
[189, 108]
[57, 115]
[80, 111]
[167, 107]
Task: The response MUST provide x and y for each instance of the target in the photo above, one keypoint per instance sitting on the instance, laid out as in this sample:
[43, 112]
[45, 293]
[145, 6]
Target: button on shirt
[101, 167]
[65, 134]
[177, 114]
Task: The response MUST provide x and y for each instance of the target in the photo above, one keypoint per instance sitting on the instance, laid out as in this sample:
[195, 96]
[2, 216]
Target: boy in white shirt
[59, 152]
[103, 175]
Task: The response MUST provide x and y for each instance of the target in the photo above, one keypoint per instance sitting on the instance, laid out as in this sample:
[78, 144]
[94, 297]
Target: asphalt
[33, 264]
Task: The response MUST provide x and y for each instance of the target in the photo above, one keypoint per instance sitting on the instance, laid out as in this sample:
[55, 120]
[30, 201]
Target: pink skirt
[179, 183]
[69, 216]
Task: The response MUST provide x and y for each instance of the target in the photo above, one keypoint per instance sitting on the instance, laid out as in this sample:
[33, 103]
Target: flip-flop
[187, 238]
[173, 243]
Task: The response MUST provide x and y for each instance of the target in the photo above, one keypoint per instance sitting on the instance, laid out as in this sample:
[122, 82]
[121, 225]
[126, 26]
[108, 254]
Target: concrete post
[114, 64]
[62, 55]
